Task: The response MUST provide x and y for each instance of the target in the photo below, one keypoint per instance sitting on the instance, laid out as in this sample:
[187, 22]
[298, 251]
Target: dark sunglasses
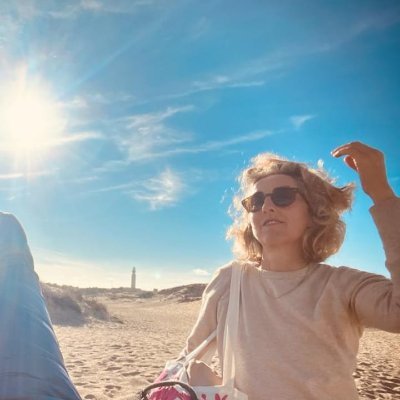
[282, 196]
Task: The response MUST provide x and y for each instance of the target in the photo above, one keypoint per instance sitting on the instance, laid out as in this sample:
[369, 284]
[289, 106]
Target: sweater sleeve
[207, 319]
[374, 299]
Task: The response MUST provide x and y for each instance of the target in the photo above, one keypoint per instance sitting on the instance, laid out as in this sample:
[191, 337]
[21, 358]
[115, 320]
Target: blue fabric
[31, 364]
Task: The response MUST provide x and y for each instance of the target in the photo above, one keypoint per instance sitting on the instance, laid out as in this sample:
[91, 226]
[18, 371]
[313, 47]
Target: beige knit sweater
[300, 331]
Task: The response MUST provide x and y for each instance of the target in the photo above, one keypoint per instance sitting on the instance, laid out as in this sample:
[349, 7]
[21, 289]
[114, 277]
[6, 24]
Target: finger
[350, 162]
[350, 147]
[347, 150]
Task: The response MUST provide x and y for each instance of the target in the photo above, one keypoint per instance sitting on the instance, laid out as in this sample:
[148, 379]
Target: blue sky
[151, 108]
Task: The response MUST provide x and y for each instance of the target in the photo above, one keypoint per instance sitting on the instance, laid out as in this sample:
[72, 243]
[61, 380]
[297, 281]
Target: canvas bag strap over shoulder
[232, 327]
[194, 353]
[230, 332]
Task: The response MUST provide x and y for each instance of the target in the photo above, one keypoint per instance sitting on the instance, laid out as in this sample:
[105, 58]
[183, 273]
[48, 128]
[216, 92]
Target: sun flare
[30, 120]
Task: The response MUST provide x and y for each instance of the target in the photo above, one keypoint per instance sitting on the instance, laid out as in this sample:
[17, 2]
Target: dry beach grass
[114, 358]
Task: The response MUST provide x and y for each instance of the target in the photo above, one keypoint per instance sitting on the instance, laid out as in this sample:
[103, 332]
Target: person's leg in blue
[31, 364]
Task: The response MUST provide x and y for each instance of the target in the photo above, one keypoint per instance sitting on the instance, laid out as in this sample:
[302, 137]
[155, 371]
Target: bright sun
[30, 120]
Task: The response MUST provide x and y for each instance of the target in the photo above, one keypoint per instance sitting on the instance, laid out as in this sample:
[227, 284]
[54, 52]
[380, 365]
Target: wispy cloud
[57, 141]
[27, 10]
[145, 134]
[111, 166]
[382, 18]
[201, 272]
[116, 6]
[214, 145]
[374, 20]
[103, 99]
[141, 147]
[121, 187]
[77, 137]
[162, 191]
[223, 82]
[299, 120]
[84, 179]
[219, 82]
[25, 175]
[140, 120]
[258, 71]
[148, 137]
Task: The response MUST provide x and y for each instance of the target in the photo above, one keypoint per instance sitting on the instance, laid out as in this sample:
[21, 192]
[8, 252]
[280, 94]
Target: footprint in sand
[134, 373]
[111, 387]
[113, 368]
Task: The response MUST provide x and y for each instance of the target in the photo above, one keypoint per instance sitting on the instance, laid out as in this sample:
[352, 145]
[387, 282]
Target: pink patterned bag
[173, 382]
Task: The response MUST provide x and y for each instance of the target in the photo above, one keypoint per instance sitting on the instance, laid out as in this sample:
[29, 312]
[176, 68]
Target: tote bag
[173, 383]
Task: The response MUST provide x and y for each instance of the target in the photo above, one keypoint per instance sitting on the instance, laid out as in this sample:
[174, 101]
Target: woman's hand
[369, 163]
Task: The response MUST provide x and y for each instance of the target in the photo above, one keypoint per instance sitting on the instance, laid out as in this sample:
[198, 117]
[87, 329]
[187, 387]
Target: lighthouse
[133, 278]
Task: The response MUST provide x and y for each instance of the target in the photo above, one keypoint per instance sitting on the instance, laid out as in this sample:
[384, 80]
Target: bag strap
[232, 327]
[194, 353]
[144, 394]
[230, 331]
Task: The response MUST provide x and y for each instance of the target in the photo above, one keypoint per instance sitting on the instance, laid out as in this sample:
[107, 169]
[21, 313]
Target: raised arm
[369, 163]
[374, 299]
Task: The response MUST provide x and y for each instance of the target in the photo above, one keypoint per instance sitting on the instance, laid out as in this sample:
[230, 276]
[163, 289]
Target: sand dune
[113, 360]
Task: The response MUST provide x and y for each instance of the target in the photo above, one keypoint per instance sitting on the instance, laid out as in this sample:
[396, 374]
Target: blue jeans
[31, 364]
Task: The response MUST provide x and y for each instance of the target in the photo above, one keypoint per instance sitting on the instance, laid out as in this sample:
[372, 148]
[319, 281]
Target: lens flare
[30, 119]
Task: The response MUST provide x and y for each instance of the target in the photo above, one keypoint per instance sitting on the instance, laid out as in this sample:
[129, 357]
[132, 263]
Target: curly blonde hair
[326, 204]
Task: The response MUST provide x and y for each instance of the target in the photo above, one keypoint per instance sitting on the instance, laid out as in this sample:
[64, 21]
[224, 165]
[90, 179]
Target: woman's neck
[282, 260]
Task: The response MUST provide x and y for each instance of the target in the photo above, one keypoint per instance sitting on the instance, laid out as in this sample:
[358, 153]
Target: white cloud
[78, 137]
[223, 82]
[59, 141]
[115, 6]
[24, 175]
[216, 145]
[29, 9]
[168, 147]
[121, 187]
[215, 83]
[299, 120]
[78, 102]
[162, 191]
[111, 166]
[86, 100]
[84, 179]
[274, 64]
[382, 19]
[140, 120]
[201, 272]
[145, 134]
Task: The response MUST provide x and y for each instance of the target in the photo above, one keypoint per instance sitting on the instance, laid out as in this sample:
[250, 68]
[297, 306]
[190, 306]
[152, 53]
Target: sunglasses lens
[280, 196]
[283, 196]
[255, 202]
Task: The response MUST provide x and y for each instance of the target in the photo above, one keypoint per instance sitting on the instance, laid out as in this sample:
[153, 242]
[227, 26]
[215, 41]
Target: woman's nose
[268, 204]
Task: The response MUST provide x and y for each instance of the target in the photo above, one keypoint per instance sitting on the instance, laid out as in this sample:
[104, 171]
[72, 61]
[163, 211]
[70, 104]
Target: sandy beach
[114, 360]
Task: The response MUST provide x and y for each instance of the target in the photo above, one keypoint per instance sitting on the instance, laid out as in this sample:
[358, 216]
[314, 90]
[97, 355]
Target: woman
[301, 320]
